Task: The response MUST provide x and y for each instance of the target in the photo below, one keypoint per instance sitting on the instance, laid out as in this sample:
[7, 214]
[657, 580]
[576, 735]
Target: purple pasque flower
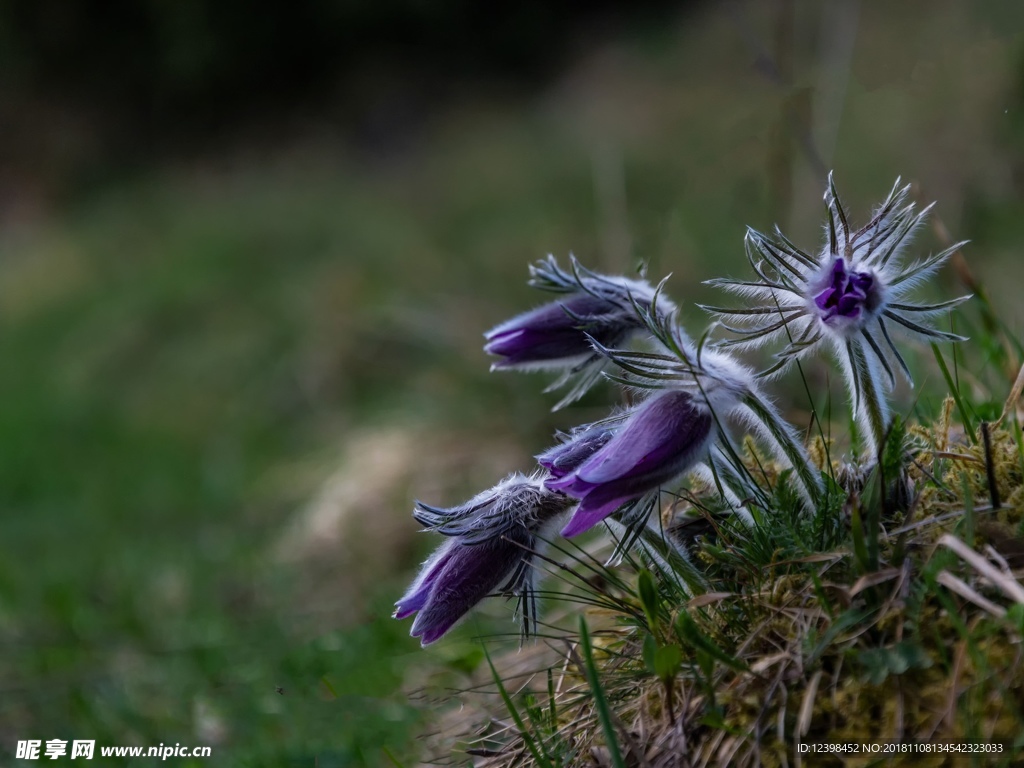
[560, 335]
[854, 289]
[660, 440]
[493, 538]
[849, 297]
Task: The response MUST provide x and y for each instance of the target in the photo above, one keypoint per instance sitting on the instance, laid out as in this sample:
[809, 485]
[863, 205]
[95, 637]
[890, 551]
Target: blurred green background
[245, 264]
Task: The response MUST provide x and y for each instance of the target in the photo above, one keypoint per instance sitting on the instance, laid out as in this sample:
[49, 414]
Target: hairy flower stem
[870, 406]
[783, 435]
[669, 559]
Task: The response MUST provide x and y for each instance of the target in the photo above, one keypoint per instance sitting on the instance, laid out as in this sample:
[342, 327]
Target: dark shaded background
[246, 258]
[94, 89]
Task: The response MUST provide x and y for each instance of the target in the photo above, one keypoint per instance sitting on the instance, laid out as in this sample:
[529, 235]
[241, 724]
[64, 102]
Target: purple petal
[662, 429]
[407, 606]
[849, 306]
[530, 345]
[557, 330]
[824, 299]
[588, 514]
[555, 315]
[863, 281]
[571, 484]
[662, 438]
[416, 597]
[848, 293]
[469, 574]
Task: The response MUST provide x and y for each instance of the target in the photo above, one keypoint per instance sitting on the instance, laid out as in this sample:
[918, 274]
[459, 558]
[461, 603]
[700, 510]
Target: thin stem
[781, 432]
[871, 405]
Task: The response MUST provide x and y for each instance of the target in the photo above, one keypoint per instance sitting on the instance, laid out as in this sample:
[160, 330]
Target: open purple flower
[851, 297]
[560, 335]
[493, 538]
[663, 437]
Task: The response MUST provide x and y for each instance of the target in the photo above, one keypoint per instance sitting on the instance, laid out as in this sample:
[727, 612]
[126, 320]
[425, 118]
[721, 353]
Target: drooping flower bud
[560, 335]
[663, 438]
[493, 539]
[579, 446]
[555, 335]
[457, 578]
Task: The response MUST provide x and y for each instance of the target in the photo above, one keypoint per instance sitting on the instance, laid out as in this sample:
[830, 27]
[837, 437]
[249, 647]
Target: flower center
[847, 294]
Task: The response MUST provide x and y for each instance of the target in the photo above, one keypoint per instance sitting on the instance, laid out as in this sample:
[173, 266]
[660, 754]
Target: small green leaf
[648, 593]
[533, 710]
[894, 453]
[667, 661]
[650, 650]
[879, 663]
[846, 620]
[706, 662]
[912, 655]
[874, 662]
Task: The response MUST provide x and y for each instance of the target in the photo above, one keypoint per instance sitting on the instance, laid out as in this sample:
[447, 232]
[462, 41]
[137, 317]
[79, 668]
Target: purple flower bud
[461, 577]
[580, 446]
[561, 335]
[665, 436]
[493, 538]
[847, 294]
[555, 334]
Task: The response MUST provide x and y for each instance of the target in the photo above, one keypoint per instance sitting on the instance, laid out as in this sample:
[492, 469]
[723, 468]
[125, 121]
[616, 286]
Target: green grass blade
[600, 702]
[860, 551]
[954, 390]
[552, 705]
[531, 745]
